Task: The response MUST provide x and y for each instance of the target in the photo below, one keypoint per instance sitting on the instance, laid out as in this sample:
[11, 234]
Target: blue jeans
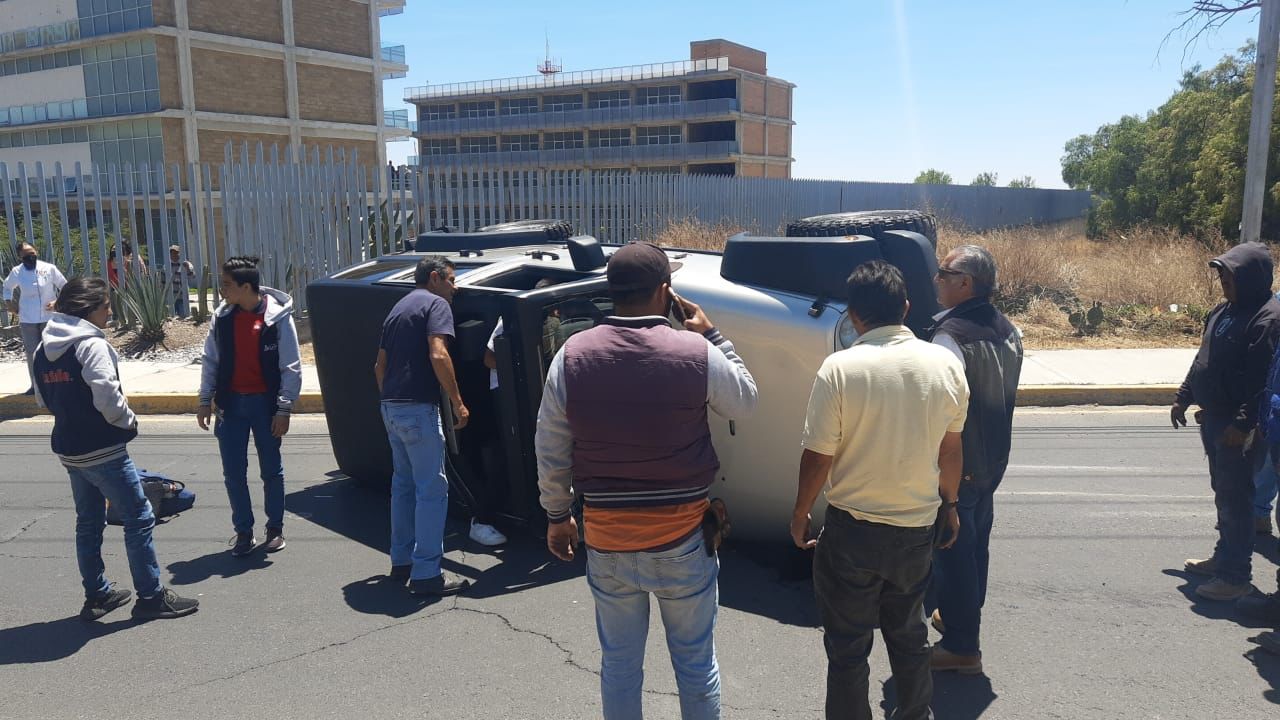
[1231, 472]
[960, 571]
[115, 481]
[419, 488]
[246, 414]
[684, 581]
[1265, 484]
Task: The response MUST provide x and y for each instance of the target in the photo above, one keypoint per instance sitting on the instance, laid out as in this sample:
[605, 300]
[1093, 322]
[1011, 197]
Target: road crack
[27, 526]
[314, 651]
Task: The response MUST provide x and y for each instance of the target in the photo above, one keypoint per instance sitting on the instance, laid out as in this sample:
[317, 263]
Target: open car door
[536, 324]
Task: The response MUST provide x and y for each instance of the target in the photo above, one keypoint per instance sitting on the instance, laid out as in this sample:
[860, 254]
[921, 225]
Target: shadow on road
[1267, 664]
[217, 564]
[955, 696]
[765, 581]
[379, 595]
[1212, 609]
[50, 641]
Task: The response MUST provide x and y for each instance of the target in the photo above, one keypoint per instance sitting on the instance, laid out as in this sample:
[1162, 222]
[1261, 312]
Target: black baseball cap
[639, 266]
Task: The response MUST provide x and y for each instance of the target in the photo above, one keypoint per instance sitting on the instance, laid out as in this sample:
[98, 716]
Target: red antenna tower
[549, 67]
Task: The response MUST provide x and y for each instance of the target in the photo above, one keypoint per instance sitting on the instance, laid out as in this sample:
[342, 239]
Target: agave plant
[148, 300]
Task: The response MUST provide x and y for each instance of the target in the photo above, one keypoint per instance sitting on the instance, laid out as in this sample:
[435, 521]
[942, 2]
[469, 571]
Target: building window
[103, 17]
[561, 103]
[33, 138]
[121, 78]
[438, 112]
[613, 137]
[660, 95]
[486, 144]
[520, 106]
[660, 170]
[660, 135]
[440, 147]
[479, 109]
[519, 143]
[66, 58]
[609, 99]
[563, 141]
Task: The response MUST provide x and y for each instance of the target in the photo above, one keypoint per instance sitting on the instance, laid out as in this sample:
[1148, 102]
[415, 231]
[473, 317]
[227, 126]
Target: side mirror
[586, 252]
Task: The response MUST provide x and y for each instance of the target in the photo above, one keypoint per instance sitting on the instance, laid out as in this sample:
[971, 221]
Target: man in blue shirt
[415, 374]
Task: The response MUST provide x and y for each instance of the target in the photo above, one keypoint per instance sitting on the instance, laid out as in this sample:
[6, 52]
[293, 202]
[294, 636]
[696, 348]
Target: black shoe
[30, 391]
[95, 608]
[167, 604]
[439, 586]
[244, 543]
[275, 540]
[400, 573]
[1263, 608]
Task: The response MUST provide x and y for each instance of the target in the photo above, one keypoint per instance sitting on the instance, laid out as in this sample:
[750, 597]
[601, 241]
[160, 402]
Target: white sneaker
[486, 535]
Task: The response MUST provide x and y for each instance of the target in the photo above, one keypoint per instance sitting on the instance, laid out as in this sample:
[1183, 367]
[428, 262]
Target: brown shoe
[275, 541]
[1207, 568]
[1219, 589]
[943, 660]
[936, 621]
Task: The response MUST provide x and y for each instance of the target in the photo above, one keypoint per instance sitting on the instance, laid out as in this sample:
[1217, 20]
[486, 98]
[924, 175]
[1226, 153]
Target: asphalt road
[1089, 614]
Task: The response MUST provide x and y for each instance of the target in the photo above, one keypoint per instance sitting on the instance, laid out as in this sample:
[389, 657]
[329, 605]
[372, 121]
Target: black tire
[869, 222]
[553, 230]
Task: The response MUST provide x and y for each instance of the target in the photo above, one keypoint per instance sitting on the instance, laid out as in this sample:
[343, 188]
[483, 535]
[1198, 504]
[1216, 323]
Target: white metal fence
[309, 216]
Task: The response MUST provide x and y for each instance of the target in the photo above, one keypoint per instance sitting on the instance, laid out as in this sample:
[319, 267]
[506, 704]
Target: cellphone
[677, 307]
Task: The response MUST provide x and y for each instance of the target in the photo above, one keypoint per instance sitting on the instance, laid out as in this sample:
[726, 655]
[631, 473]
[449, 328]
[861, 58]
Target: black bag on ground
[167, 496]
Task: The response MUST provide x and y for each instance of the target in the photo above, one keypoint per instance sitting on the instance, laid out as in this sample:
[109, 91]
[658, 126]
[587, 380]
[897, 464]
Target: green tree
[1025, 182]
[1182, 165]
[985, 179]
[933, 177]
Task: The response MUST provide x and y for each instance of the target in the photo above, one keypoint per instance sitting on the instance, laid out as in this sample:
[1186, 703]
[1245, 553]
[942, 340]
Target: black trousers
[867, 575]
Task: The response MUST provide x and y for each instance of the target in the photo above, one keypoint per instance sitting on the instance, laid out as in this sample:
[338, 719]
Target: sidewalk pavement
[1049, 378]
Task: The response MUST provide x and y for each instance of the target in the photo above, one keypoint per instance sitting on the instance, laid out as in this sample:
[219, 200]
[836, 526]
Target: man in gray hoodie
[78, 381]
[252, 376]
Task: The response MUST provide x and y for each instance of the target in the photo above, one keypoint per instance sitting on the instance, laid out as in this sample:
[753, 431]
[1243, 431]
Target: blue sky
[885, 89]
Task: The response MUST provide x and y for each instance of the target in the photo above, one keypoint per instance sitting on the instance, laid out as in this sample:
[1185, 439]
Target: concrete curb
[24, 406]
[1117, 395]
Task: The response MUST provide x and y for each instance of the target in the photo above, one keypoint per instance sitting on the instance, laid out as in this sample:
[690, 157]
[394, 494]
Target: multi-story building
[140, 82]
[717, 113]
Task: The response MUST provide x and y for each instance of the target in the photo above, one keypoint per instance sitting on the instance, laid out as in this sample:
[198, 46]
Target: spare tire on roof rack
[552, 230]
[872, 223]
[520, 232]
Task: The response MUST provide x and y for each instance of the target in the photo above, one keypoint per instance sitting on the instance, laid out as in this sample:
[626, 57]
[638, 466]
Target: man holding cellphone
[623, 421]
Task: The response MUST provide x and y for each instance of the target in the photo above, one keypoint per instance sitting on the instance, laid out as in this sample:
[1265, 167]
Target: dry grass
[689, 234]
[1049, 272]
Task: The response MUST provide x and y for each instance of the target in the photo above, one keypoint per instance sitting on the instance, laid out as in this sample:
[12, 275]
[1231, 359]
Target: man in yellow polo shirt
[882, 434]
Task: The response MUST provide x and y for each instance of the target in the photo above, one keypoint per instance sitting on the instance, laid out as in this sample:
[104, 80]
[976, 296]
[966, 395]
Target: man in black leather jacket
[1226, 380]
[990, 348]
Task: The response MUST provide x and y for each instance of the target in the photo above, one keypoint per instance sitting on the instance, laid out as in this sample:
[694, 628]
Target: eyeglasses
[948, 272]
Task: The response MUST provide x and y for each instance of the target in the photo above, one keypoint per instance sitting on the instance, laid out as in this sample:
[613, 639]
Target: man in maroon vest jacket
[623, 421]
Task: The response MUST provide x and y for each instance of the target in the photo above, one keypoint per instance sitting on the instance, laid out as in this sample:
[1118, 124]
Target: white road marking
[1127, 496]
[1090, 468]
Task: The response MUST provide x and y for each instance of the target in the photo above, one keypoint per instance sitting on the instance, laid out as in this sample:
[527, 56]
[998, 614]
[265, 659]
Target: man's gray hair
[977, 263]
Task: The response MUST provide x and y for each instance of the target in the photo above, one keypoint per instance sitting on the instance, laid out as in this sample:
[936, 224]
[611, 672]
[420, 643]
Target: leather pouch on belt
[715, 525]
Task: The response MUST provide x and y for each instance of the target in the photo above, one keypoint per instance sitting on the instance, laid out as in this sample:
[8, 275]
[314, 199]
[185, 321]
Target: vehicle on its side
[780, 300]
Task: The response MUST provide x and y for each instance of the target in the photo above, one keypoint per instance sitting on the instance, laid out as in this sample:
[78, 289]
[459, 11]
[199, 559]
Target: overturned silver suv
[779, 299]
